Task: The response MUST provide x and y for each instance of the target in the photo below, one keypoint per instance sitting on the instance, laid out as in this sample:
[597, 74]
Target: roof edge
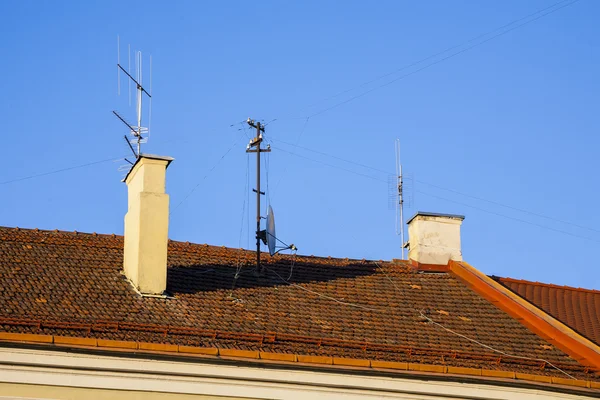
[542, 324]
[290, 359]
[549, 285]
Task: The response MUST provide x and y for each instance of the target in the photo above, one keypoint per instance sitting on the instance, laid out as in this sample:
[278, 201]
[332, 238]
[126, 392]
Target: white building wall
[26, 373]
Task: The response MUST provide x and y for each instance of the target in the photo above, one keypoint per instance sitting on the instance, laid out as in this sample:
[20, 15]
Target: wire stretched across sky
[56, 171]
[450, 200]
[428, 61]
[413, 64]
[187, 196]
[388, 173]
[538, 15]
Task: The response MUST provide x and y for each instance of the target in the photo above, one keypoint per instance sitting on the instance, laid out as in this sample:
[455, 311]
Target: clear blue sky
[513, 120]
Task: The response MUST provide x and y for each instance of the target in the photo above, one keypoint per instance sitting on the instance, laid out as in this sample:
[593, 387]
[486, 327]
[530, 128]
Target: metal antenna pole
[255, 142]
[139, 100]
[400, 204]
[258, 142]
[401, 201]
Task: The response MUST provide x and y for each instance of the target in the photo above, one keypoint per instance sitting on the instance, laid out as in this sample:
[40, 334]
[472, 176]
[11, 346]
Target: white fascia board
[43, 367]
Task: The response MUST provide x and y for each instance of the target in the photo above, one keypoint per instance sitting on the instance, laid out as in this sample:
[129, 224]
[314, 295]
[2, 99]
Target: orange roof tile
[329, 309]
[575, 307]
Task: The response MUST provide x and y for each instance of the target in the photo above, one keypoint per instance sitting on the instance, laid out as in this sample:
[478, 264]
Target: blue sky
[512, 121]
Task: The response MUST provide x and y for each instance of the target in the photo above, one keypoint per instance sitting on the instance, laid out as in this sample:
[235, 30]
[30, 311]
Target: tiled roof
[70, 284]
[575, 307]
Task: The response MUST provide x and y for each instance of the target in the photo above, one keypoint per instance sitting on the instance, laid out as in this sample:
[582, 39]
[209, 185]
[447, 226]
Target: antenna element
[137, 131]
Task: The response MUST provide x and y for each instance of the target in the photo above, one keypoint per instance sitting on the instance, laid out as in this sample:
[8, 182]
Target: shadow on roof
[190, 279]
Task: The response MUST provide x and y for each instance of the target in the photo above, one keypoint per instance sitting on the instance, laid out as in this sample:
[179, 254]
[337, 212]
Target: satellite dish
[271, 238]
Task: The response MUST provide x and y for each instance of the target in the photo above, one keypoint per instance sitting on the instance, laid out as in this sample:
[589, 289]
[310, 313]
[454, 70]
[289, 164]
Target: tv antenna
[140, 133]
[400, 197]
[267, 236]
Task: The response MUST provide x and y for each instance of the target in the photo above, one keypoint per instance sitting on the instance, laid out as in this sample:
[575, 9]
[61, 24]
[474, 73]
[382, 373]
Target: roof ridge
[185, 243]
[74, 232]
[552, 285]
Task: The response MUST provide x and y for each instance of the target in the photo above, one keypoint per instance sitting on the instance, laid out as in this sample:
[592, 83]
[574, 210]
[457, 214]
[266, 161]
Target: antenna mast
[137, 131]
[254, 147]
[400, 202]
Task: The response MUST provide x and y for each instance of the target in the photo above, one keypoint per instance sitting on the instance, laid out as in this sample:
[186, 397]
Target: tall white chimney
[434, 238]
[147, 224]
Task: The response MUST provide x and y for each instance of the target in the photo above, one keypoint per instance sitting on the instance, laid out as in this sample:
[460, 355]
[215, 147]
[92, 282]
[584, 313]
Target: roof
[71, 285]
[575, 307]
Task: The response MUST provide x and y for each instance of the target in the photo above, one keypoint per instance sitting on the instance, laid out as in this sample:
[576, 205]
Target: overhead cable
[114, 159]
[509, 217]
[206, 175]
[450, 200]
[480, 36]
[422, 315]
[441, 60]
[497, 203]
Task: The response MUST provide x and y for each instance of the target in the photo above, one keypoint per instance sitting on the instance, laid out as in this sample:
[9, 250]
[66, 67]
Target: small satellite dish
[271, 238]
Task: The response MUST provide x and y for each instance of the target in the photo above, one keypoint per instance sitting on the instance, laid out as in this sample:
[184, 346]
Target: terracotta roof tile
[331, 309]
[575, 307]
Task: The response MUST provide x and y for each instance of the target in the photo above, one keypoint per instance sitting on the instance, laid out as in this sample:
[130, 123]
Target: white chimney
[147, 224]
[434, 238]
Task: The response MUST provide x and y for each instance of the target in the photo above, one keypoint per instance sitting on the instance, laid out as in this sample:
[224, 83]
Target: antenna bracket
[262, 235]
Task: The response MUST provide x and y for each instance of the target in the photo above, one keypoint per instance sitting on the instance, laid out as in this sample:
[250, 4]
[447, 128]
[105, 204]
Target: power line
[239, 264]
[61, 170]
[332, 156]
[297, 141]
[491, 348]
[510, 207]
[324, 295]
[421, 314]
[509, 217]
[206, 175]
[544, 12]
[114, 159]
[438, 53]
[450, 200]
[439, 61]
[533, 213]
[330, 165]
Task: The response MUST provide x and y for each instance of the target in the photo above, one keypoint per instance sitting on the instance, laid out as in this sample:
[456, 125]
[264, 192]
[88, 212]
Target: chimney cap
[150, 156]
[432, 214]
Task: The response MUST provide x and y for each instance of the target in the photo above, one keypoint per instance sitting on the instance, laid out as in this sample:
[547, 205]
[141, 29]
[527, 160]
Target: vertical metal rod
[400, 204]
[118, 63]
[129, 71]
[259, 140]
[150, 101]
[400, 190]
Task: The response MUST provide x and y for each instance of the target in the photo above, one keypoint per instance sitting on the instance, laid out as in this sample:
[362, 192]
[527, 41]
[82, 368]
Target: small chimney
[434, 238]
[147, 224]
